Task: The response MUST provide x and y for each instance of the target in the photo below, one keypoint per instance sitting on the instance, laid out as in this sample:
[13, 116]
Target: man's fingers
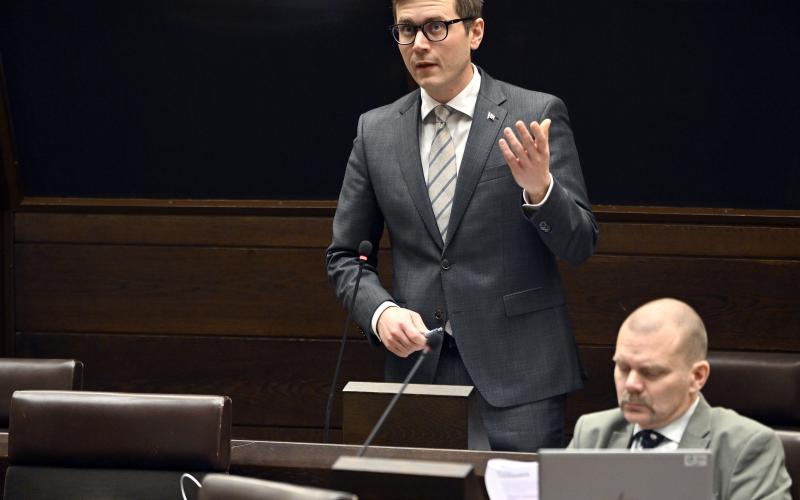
[397, 342]
[509, 155]
[401, 331]
[417, 337]
[514, 144]
[403, 343]
[399, 351]
[525, 137]
[416, 319]
[541, 133]
[546, 127]
[527, 153]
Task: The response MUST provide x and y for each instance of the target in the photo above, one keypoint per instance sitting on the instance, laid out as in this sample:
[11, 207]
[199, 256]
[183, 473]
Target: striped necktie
[442, 171]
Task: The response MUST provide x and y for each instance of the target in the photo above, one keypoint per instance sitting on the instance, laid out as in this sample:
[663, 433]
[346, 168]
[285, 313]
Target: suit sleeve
[759, 472]
[358, 217]
[565, 222]
[576, 434]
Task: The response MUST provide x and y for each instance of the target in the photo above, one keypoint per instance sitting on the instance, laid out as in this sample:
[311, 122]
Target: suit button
[437, 315]
[445, 264]
[544, 226]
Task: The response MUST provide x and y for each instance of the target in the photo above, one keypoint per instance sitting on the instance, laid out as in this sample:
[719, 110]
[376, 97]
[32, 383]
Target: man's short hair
[464, 8]
[695, 338]
[653, 315]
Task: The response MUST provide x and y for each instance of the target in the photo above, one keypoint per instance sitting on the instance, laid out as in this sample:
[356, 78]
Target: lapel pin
[491, 116]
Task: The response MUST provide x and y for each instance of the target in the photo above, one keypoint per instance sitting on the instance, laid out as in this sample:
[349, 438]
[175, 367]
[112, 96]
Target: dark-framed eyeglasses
[435, 31]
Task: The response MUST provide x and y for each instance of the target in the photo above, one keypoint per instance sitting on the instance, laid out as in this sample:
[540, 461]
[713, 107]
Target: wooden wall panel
[7, 324]
[272, 382]
[226, 297]
[745, 303]
[598, 391]
[178, 290]
[699, 240]
[296, 434]
[176, 230]
[182, 290]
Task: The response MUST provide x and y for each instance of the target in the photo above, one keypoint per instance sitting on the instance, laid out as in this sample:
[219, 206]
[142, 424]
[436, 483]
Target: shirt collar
[464, 102]
[675, 429]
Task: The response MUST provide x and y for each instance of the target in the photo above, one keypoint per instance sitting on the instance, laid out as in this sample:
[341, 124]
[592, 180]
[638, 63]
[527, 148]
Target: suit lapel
[408, 156]
[621, 439]
[482, 136]
[698, 430]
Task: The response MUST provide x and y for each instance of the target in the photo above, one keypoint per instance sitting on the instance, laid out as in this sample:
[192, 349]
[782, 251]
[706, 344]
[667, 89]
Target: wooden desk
[310, 463]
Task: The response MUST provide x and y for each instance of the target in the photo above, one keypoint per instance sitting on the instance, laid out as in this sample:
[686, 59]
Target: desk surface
[310, 463]
[276, 454]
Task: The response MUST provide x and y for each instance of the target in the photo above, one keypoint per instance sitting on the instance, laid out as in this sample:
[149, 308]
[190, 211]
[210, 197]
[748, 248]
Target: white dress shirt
[458, 123]
[672, 432]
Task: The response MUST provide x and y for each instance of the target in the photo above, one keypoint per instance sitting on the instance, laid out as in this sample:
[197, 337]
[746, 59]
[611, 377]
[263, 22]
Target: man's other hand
[528, 155]
[401, 331]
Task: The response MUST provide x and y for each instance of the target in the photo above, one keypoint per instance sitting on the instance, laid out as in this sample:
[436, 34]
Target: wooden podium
[426, 416]
[394, 479]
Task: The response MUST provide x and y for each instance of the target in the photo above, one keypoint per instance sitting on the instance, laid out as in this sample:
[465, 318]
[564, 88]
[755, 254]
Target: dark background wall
[679, 103]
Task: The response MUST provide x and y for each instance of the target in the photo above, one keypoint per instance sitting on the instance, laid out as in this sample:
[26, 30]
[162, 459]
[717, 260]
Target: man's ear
[476, 32]
[699, 373]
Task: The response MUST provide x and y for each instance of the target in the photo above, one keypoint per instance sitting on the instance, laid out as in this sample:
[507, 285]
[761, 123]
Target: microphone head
[435, 340]
[365, 248]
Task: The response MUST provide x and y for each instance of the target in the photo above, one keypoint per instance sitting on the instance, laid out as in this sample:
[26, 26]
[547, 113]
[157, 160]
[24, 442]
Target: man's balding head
[679, 317]
[660, 363]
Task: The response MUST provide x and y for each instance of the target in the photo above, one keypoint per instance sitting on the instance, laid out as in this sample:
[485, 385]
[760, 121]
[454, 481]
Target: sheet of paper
[512, 479]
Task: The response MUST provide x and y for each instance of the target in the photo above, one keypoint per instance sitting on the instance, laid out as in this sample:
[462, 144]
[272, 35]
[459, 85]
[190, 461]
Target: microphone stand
[364, 249]
[433, 342]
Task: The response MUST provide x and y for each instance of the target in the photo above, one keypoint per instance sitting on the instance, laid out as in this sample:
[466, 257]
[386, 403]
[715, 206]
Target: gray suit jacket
[496, 278]
[748, 457]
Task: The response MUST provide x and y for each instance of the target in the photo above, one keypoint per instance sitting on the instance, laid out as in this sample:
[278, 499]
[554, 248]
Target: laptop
[686, 474]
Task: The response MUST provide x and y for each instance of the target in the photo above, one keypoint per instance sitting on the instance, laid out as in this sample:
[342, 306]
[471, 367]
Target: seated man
[660, 367]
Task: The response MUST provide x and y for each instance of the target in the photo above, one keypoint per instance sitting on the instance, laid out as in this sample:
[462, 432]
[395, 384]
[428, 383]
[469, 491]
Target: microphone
[433, 342]
[364, 251]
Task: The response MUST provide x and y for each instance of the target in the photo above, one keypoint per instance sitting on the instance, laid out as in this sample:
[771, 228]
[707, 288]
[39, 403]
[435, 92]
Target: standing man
[659, 369]
[479, 185]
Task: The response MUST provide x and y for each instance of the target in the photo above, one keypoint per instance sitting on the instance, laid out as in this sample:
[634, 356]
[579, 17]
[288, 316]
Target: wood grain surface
[231, 297]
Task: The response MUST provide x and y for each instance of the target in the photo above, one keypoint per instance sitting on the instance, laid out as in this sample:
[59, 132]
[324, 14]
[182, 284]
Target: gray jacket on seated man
[660, 368]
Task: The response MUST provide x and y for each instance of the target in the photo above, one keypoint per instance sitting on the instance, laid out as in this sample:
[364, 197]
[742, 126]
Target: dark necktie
[648, 438]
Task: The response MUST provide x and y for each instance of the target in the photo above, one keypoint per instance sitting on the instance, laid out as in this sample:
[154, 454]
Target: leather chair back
[93, 445]
[224, 487]
[26, 374]
[764, 386]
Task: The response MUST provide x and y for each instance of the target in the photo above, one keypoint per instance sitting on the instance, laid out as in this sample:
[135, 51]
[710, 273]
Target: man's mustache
[637, 400]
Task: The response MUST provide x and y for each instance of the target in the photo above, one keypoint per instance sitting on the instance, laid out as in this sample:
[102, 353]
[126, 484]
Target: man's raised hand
[528, 156]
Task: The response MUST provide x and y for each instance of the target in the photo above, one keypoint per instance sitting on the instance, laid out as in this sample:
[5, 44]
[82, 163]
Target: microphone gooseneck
[364, 251]
[433, 342]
